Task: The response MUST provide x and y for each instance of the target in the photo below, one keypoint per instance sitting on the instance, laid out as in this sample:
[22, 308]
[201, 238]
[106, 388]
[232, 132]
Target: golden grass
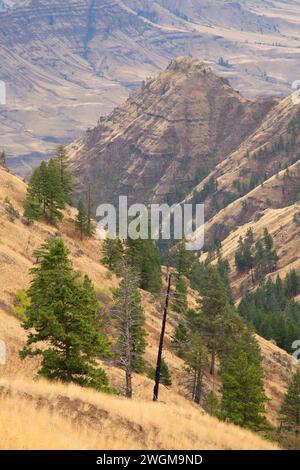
[68, 417]
[173, 423]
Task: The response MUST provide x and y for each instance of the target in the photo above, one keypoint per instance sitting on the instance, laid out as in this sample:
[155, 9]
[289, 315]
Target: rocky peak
[185, 64]
[167, 136]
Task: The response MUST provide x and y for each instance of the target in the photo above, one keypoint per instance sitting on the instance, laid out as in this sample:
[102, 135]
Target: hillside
[190, 125]
[262, 172]
[72, 418]
[17, 241]
[167, 136]
[67, 63]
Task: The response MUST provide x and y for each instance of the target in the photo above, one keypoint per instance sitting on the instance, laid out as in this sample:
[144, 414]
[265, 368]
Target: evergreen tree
[165, 376]
[3, 160]
[37, 187]
[151, 280]
[55, 199]
[197, 275]
[223, 268]
[180, 303]
[263, 258]
[32, 209]
[113, 254]
[143, 257]
[81, 222]
[184, 259]
[129, 315]
[267, 240]
[196, 360]
[211, 404]
[45, 193]
[291, 284]
[270, 253]
[243, 397]
[244, 260]
[180, 306]
[290, 409]
[272, 310]
[249, 239]
[180, 338]
[187, 324]
[214, 310]
[63, 315]
[62, 160]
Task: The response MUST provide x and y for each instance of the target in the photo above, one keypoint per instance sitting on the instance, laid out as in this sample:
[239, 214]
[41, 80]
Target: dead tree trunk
[128, 358]
[161, 343]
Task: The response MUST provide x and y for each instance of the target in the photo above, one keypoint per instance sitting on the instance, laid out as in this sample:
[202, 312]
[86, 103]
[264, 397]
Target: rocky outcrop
[167, 136]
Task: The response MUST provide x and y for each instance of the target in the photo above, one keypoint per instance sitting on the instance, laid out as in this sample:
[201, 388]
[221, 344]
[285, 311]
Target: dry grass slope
[173, 423]
[66, 417]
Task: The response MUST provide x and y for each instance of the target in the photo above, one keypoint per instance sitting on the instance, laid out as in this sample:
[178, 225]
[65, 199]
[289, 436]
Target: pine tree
[129, 315]
[3, 160]
[62, 160]
[143, 257]
[211, 404]
[267, 240]
[214, 310]
[63, 316]
[184, 259]
[81, 222]
[189, 323]
[45, 190]
[243, 397]
[290, 409]
[55, 199]
[165, 375]
[180, 303]
[244, 260]
[151, 280]
[180, 337]
[266, 258]
[32, 209]
[270, 253]
[196, 360]
[291, 284]
[197, 275]
[113, 254]
[37, 186]
[223, 268]
[273, 310]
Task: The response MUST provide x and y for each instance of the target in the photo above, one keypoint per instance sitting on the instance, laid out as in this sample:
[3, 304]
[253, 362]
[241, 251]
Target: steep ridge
[187, 124]
[17, 242]
[263, 171]
[282, 224]
[65, 63]
[167, 136]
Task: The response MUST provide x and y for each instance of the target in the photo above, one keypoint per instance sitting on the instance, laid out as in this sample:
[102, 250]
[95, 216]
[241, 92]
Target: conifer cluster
[273, 311]
[141, 255]
[49, 190]
[261, 257]
[214, 330]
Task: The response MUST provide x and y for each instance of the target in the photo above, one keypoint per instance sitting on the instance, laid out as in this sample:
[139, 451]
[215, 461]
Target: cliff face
[66, 63]
[188, 136]
[167, 136]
